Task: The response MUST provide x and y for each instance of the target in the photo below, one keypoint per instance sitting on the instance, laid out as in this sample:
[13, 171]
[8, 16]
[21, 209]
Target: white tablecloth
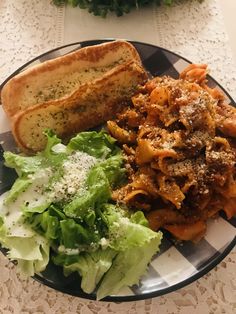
[196, 31]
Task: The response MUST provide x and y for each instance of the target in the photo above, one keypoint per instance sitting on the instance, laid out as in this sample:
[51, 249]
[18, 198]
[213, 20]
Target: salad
[60, 209]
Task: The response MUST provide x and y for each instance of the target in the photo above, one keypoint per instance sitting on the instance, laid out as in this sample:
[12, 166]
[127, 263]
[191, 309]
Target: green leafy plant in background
[102, 7]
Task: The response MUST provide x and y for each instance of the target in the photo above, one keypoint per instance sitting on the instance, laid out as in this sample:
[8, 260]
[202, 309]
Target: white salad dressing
[75, 170]
[35, 194]
[59, 148]
[13, 210]
[67, 251]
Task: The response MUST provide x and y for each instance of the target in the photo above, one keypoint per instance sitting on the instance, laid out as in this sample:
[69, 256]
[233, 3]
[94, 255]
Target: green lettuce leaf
[48, 222]
[19, 187]
[101, 178]
[74, 235]
[52, 156]
[31, 253]
[107, 245]
[128, 267]
[113, 169]
[90, 266]
[23, 165]
[96, 144]
[98, 192]
[30, 192]
[47, 225]
[126, 230]
[139, 218]
[124, 235]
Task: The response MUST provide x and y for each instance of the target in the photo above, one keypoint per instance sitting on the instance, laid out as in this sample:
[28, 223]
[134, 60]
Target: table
[228, 8]
[29, 29]
[228, 11]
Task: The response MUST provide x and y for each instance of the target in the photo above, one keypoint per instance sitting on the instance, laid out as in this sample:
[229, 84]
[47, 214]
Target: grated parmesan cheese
[104, 243]
[68, 251]
[75, 170]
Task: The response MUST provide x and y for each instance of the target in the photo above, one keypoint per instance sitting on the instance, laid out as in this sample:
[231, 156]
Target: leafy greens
[102, 7]
[60, 208]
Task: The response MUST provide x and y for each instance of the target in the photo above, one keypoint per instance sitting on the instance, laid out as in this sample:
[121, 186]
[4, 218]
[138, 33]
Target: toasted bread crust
[61, 76]
[90, 105]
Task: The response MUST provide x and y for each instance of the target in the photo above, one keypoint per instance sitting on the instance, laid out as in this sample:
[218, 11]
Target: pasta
[178, 140]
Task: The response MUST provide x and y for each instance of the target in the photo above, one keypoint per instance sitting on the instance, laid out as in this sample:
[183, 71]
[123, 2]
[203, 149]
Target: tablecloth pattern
[27, 29]
[194, 30]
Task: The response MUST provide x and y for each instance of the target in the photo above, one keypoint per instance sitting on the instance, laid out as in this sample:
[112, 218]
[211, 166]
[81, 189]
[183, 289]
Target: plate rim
[138, 297]
[200, 273]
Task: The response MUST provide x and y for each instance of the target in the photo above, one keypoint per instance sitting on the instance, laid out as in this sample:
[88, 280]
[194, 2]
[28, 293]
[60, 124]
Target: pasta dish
[178, 139]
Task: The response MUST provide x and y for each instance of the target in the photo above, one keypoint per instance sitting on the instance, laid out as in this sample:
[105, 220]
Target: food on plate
[59, 78]
[60, 209]
[178, 136]
[71, 93]
[91, 105]
[91, 206]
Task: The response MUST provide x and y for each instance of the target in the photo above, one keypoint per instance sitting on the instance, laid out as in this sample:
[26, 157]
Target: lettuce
[113, 169]
[135, 244]
[124, 234]
[23, 165]
[97, 192]
[90, 266]
[74, 234]
[101, 178]
[96, 144]
[19, 186]
[124, 259]
[128, 267]
[108, 246]
[49, 155]
[46, 224]
[31, 252]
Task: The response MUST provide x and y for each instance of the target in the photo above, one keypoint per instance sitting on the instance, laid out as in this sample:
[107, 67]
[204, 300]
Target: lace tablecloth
[196, 31]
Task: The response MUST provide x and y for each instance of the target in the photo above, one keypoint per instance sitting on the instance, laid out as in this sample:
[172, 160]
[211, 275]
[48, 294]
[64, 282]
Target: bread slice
[60, 77]
[90, 105]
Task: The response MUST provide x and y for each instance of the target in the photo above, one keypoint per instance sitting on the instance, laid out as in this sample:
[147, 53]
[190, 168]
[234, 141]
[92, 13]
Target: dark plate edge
[154, 294]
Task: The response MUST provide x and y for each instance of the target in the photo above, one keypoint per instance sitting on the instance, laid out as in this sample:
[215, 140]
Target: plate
[176, 265]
